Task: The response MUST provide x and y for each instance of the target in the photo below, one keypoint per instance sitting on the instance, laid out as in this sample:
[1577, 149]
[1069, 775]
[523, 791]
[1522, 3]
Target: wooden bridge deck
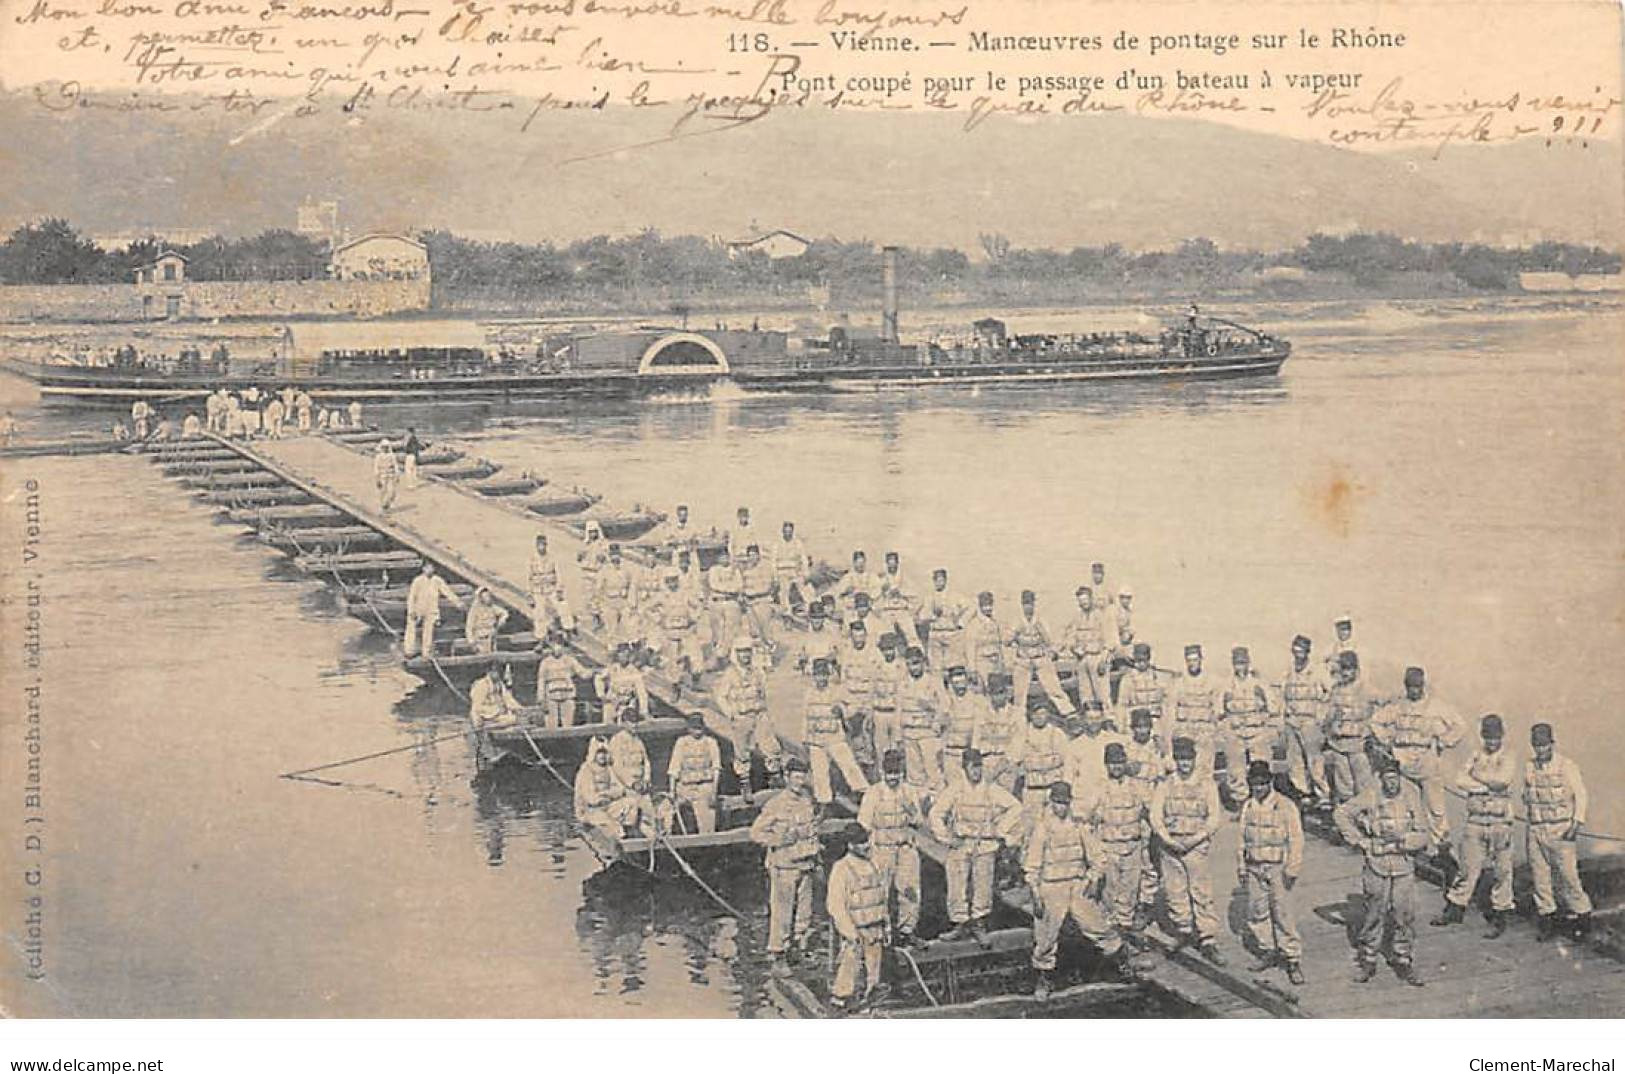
[489, 542]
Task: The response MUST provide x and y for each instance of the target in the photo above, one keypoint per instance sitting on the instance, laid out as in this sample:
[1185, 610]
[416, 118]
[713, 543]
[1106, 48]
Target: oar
[369, 756]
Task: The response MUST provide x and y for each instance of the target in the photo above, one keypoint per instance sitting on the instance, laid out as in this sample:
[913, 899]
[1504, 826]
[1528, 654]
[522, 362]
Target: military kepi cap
[1060, 792]
[1184, 747]
[1541, 734]
[1414, 676]
[972, 756]
[1259, 772]
[1115, 752]
[1491, 726]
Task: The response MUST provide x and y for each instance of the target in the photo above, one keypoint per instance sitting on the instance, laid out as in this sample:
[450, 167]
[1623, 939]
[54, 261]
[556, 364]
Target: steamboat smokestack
[888, 311]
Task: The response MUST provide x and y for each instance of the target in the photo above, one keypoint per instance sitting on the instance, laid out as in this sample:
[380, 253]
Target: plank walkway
[488, 542]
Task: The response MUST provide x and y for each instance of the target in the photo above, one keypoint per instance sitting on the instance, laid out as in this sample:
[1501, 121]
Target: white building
[775, 244]
[381, 257]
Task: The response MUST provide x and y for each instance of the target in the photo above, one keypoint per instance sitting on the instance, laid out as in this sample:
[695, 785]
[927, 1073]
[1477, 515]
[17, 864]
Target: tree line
[648, 265]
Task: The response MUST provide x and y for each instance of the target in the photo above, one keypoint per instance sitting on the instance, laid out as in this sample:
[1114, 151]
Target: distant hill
[915, 179]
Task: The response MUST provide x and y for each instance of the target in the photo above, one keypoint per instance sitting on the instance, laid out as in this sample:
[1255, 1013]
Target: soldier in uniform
[894, 814]
[826, 738]
[1303, 695]
[1269, 863]
[1348, 725]
[856, 903]
[1486, 782]
[1185, 815]
[1555, 796]
[695, 774]
[972, 818]
[788, 827]
[1389, 825]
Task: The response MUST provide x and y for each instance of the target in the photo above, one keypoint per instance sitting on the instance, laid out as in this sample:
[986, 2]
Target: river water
[1449, 476]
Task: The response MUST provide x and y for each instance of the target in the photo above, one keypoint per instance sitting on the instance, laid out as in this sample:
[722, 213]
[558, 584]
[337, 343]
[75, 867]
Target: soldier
[998, 735]
[1117, 814]
[1269, 863]
[725, 584]
[893, 813]
[556, 689]
[788, 827]
[1194, 705]
[1303, 696]
[1486, 782]
[858, 582]
[1348, 725]
[1251, 723]
[820, 642]
[677, 618]
[742, 534]
[965, 712]
[1086, 639]
[856, 903]
[791, 564]
[485, 618]
[922, 707]
[1148, 767]
[1064, 866]
[548, 607]
[423, 599]
[591, 560]
[1416, 730]
[627, 754]
[1088, 733]
[895, 604]
[826, 738]
[1342, 642]
[887, 730]
[694, 775]
[756, 590]
[1555, 796]
[1143, 686]
[1185, 815]
[984, 641]
[490, 706]
[596, 788]
[621, 686]
[972, 818]
[1388, 824]
[861, 668]
[741, 693]
[947, 613]
[1035, 655]
[1042, 758]
[617, 596]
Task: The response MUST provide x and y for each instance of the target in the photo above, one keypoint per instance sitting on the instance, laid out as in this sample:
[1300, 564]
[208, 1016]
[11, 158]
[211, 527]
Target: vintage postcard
[796, 509]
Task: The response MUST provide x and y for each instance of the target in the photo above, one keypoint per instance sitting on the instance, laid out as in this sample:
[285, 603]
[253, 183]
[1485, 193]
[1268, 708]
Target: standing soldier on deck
[1143, 686]
[1387, 823]
[1416, 730]
[1269, 863]
[302, 405]
[724, 584]
[1555, 796]
[548, 608]
[556, 688]
[1342, 642]
[1250, 721]
[1348, 725]
[860, 670]
[1043, 760]
[825, 731]
[756, 590]
[741, 693]
[423, 599]
[1065, 869]
[742, 534]
[856, 903]
[1303, 696]
[1148, 767]
[820, 642]
[893, 813]
[998, 735]
[1185, 815]
[274, 413]
[791, 566]
[1035, 655]
[484, 620]
[1117, 814]
[922, 709]
[788, 827]
[1086, 640]
[966, 711]
[617, 596]
[1486, 783]
[984, 643]
[888, 683]
[972, 818]
[591, 560]
[895, 604]
[694, 774]
[1195, 704]
[946, 612]
[385, 474]
[355, 414]
[858, 582]
[677, 619]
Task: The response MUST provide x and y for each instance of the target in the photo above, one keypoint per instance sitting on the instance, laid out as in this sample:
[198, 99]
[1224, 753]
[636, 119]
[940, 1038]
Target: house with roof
[775, 244]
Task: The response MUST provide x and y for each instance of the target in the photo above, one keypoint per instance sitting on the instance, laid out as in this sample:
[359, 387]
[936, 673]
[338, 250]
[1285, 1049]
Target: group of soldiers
[238, 415]
[943, 722]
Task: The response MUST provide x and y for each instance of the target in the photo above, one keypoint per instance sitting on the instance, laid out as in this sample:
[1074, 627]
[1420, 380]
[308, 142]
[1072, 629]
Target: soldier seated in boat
[484, 619]
[596, 788]
[490, 705]
[621, 686]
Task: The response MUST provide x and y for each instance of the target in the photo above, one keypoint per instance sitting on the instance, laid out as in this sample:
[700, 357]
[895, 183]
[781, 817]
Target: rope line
[920, 978]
